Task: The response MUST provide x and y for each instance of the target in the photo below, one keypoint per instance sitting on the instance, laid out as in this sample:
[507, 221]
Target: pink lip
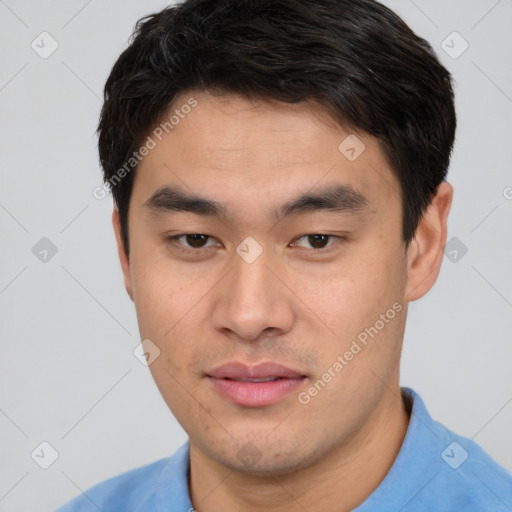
[230, 380]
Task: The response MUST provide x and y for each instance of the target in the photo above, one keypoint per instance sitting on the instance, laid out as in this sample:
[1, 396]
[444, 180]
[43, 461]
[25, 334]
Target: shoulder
[470, 476]
[124, 492]
[127, 491]
[461, 475]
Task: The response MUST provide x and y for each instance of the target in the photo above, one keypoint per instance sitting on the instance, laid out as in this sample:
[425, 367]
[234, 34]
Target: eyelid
[336, 237]
[175, 239]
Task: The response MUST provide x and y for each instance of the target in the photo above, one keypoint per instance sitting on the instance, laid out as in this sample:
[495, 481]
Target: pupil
[316, 240]
[196, 240]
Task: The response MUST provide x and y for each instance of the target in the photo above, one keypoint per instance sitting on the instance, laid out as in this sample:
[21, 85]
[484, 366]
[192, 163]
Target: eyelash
[175, 240]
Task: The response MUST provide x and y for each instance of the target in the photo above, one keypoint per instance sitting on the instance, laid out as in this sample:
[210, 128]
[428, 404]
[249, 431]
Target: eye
[191, 240]
[317, 240]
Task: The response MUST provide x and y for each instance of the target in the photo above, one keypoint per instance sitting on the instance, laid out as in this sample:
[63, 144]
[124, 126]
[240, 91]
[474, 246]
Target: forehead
[241, 152]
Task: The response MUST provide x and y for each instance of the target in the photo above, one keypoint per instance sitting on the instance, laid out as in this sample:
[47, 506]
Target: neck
[339, 482]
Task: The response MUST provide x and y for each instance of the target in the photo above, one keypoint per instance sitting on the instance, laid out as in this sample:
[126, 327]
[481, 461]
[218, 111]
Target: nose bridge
[250, 280]
[252, 299]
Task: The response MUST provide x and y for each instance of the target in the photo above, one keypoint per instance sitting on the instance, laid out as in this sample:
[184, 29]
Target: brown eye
[191, 241]
[317, 240]
[196, 241]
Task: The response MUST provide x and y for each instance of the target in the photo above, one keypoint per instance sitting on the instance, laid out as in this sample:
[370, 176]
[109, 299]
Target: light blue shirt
[435, 471]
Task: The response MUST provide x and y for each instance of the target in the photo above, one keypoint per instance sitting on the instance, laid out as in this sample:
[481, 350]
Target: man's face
[279, 296]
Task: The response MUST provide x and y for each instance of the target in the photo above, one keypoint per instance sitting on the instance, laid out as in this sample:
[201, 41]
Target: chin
[264, 458]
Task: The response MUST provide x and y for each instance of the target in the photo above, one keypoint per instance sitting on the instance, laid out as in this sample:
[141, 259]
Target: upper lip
[237, 371]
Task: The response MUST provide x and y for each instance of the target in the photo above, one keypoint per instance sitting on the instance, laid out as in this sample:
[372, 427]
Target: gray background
[68, 330]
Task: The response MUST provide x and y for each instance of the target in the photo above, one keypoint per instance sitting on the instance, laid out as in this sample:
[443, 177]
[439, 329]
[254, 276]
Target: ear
[123, 257]
[425, 252]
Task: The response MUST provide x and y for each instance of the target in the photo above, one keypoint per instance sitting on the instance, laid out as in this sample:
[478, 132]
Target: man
[278, 171]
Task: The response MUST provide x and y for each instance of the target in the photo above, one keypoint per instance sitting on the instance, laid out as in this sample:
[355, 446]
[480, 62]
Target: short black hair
[355, 57]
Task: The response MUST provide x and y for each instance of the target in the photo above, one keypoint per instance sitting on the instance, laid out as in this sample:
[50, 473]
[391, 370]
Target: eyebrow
[173, 199]
[336, 198]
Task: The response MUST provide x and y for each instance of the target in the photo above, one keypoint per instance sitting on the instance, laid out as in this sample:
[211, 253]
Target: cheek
[360, 300]
[160, 293]
[352, 293]
[170, 310]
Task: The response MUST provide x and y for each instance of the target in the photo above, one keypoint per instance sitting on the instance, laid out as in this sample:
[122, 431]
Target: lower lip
[256, 394]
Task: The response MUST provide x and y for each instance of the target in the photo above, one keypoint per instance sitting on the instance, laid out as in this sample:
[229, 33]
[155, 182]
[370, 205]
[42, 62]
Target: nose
[253, 301]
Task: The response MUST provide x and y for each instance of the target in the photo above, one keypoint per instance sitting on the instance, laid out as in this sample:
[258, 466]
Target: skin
[297, 305]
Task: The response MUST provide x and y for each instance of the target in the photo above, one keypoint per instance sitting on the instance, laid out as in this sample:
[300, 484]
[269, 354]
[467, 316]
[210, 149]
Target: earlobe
[425, 252]
[123, 257]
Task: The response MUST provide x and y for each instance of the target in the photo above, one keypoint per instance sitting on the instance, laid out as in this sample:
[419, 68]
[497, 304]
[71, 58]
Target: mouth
[255, 386]
[263, 379]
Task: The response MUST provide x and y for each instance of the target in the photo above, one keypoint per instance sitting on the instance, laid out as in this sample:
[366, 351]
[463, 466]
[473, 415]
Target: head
[303, 146]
